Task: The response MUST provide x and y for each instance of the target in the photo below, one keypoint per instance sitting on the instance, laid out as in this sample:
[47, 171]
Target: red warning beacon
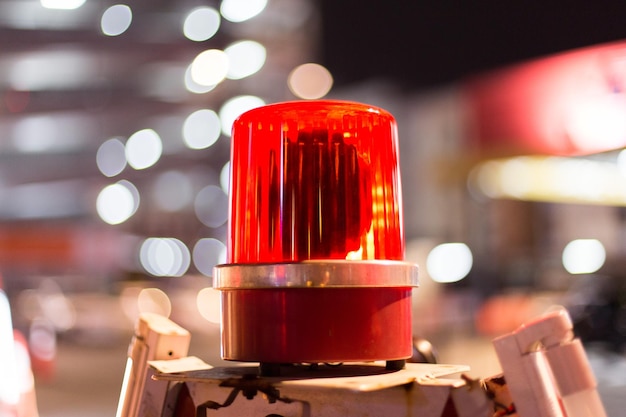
[316, 269]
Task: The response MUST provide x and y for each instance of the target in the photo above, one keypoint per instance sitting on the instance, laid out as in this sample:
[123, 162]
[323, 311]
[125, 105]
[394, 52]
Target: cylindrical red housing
[315, 268]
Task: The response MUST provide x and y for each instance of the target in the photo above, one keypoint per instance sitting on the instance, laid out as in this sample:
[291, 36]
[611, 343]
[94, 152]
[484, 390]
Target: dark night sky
[424, 44]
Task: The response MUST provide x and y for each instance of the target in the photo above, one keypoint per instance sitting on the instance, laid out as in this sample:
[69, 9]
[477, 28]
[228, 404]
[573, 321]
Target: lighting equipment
[315, 270]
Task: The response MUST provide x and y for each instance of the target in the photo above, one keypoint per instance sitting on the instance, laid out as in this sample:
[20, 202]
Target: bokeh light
[111, 157]
[201, 24]
[481, 179]
[47, 133]
[241, 10]
[133, 191]
[209, 67]
[116, 20]
[62, 4]
[65, 68]
[116, 203]
[55, 306]
[516, 177]
[194, 87]
[449, 262]
[245, 58]
[310, 81]
[201, 129]
[42, 339]
[225, 177]
[597, 122]
[36, 134]
[207, 253]
[164, 257]
[209, 305]
[172, 191]
[143, 149]
[583, 256]
[211, 206]
[234, 108]
[551, 178]
[128, 302]
[154, 300]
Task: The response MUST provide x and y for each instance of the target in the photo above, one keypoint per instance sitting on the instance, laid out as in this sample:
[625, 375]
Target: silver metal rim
[316, 274]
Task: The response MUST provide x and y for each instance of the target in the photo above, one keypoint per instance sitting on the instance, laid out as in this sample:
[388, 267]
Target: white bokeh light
[211, 206]
[201, 129]
[225, 177]
[164, 257]
[310, 81]
[133, 191]
[449, 262]
[116, 20]
[245, 58]
[154, 300]
[597, 123]
[143, 149]
[234, 108]
[516, 177]
[201, 24]
[116, 203]
[62, 4]
[241, 10]
[207, 253]
[36, 134]
[49, 133]
[55, 69]
[111, 157]
[42, 339]
[194, 87]
[209, 303]
[209, 67]
[173, 191]
[583, 256]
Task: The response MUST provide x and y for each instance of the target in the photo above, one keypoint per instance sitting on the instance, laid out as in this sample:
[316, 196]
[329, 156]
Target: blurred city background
[114, 145]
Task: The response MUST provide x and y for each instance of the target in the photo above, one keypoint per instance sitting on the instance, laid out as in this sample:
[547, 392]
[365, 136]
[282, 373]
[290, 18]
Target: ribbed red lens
[315, 180]
[315, 269]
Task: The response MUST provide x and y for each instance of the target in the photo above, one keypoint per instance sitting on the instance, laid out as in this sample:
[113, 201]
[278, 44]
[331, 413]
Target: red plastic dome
[315, 180]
